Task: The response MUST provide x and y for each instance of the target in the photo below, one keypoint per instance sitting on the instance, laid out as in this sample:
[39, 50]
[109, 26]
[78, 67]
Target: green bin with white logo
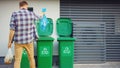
[66, 52]
[44, 52]
[25, 60]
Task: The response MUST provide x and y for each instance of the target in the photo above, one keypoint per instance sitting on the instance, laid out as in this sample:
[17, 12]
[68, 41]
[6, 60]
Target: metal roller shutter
[96, 25]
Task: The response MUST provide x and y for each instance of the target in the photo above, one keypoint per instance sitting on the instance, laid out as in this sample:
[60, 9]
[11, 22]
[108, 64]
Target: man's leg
[18, 55]
[30, 50]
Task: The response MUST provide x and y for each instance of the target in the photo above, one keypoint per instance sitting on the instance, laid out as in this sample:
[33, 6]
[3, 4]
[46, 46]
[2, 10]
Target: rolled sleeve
[12, 21]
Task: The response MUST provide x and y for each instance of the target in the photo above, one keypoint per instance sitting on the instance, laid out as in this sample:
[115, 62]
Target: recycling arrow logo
[66, 50]
[45, 51]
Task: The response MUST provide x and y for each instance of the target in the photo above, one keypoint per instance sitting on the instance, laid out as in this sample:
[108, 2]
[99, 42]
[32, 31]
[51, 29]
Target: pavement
[103, 65]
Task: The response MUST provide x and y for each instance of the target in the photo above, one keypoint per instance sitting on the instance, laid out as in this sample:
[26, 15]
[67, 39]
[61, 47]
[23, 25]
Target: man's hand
[9, 45]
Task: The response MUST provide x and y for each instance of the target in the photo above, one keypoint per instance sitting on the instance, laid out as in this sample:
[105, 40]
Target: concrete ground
[104, 65]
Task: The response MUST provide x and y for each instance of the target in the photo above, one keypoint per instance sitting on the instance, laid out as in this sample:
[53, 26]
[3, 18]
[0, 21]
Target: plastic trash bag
[43, 21]
[9, 57]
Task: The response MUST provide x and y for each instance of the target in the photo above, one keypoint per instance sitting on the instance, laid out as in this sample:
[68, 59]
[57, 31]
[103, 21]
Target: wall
[9, 6]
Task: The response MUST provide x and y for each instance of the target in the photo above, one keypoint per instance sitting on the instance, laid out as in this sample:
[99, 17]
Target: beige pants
[18, 54]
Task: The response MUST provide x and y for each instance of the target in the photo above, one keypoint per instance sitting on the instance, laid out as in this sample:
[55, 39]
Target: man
[23, 32]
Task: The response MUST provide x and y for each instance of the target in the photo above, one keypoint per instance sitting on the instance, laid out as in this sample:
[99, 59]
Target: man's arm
[12, 29]
[11, 35]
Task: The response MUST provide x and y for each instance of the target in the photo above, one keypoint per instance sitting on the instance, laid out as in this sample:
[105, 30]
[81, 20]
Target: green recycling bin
[25, 60]
[66, 52]
[44, 52]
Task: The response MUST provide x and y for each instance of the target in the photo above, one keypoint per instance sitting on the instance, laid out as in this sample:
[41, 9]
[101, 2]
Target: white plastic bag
[9, 57]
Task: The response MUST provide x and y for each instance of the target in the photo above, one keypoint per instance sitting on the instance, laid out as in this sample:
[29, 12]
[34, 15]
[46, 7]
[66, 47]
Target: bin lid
[66, 38]
[64, 27]
[46, 38]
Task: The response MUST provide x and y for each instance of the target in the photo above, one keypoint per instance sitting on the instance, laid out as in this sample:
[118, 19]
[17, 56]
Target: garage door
[96, 25]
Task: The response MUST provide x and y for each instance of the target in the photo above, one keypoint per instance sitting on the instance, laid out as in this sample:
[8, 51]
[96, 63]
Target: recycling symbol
[66, 50]
[45, 51]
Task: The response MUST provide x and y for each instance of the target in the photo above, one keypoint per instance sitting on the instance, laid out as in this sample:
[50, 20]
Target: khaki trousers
[18, 54]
